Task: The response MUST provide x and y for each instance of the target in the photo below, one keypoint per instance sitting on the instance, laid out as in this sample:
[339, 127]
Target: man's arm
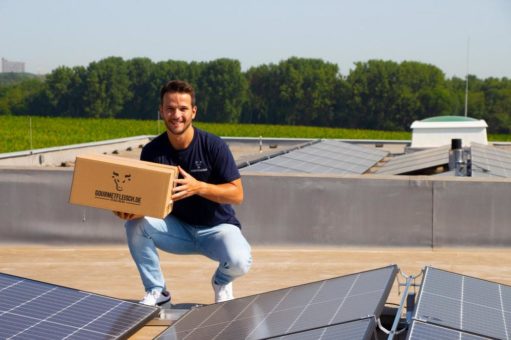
[226, 193]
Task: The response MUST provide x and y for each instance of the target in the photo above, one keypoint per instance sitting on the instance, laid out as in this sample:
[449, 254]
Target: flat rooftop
[109, 270]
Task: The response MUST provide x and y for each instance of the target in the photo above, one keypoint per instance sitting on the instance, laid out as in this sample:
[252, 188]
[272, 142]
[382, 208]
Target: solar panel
[415, 161]
[32, 309]
[326, 156]
[464, 304]
[489, 161]
[347, 304]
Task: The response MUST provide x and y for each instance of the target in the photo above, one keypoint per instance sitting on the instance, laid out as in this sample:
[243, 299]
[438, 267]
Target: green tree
[106, 88]
[176, 69]
[342, 96]
[297, 91]
[63, 92]
[306, 91]
[376, 94]
[15, 99]
[143, 99]
[373, 87]
[422, 92]
[221, 91]
[261, 90]
[12, 78]
[390, 96]
[497, 98]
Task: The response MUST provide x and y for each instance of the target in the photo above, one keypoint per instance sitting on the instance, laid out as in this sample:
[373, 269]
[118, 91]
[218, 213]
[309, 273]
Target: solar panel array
[327, 156]
[416, 161]
[463, 306]
[36, 310]
[340, 308]
[487, 161]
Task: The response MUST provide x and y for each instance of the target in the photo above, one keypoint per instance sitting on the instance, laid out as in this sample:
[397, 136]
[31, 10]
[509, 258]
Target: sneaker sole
[164, 301]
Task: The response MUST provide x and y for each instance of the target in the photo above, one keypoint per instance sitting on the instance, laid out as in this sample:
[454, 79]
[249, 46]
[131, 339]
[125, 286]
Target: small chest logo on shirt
[198, 166]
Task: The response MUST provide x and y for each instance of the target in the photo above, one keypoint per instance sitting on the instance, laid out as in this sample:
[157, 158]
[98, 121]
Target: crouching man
[202, 220]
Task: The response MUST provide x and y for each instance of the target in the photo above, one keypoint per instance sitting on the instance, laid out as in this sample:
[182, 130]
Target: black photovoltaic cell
[464, 303]
[36, 310]
[425, 331]
[288, 312]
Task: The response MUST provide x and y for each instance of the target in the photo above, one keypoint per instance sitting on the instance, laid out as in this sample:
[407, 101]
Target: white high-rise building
[12, 66]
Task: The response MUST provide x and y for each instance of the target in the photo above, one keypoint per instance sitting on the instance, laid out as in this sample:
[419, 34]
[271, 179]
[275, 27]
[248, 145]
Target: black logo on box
[120, 181]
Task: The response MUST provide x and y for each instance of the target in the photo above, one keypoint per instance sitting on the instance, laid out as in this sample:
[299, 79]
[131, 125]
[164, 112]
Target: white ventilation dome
[438, 131]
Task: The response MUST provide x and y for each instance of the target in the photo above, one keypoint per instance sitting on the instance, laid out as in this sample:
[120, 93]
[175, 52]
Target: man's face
[177, 112]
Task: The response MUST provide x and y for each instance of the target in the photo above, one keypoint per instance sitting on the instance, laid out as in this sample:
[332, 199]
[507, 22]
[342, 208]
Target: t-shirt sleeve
[144, 155]
[224, 164]
[149, 151]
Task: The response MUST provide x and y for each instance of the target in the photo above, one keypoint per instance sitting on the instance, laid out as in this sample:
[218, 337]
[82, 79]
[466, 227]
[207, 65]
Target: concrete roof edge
[72, 146]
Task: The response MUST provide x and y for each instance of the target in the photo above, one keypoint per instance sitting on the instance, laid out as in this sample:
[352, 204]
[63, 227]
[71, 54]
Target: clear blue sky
[47, 34]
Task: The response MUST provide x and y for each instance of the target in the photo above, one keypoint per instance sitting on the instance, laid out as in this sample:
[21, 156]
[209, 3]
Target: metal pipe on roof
[460, 158]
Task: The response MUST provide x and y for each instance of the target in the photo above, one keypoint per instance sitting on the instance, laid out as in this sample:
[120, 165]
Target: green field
[48, 132]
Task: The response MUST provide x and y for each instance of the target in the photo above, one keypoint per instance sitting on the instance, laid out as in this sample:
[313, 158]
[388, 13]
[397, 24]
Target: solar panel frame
[35, 309]
[426, 331]
[467, 304]
[289, 310]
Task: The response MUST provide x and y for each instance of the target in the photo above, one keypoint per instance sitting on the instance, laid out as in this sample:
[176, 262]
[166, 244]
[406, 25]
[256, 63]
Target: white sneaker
[155, 298]
[222, 292]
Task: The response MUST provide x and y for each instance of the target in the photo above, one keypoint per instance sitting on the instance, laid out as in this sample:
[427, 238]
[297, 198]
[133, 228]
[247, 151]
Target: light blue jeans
[223, 243]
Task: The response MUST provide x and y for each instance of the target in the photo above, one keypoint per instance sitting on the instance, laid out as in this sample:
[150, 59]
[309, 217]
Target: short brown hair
[177, 86]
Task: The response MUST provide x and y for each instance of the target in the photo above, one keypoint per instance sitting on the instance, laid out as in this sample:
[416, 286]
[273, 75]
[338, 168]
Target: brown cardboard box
[122, 184]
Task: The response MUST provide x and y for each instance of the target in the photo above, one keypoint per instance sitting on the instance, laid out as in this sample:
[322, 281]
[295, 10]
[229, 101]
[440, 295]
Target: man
[202, 220]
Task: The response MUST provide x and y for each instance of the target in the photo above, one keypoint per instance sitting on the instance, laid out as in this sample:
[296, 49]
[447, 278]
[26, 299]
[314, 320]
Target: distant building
[12, 66]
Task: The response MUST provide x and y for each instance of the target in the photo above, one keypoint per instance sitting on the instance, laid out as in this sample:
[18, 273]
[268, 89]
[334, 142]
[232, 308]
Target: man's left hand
[186, 186]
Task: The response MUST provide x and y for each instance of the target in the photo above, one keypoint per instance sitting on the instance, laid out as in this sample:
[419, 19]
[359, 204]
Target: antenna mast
[466, 80]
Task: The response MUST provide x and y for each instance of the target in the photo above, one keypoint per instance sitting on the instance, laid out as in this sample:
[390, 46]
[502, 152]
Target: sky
[454, 35]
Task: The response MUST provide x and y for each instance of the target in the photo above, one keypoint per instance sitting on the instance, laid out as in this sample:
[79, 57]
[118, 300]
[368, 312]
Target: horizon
[245, 70]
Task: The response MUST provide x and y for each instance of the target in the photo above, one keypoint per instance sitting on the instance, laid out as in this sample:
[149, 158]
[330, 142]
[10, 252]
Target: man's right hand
[126, 216]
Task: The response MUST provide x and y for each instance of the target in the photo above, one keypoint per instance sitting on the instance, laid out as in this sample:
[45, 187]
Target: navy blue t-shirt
[208, 159]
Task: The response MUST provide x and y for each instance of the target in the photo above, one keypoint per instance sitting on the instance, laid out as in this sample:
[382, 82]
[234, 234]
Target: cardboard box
[122, 184]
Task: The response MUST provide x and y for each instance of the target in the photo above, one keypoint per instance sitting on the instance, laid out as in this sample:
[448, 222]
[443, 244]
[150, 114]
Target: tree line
[376, 94]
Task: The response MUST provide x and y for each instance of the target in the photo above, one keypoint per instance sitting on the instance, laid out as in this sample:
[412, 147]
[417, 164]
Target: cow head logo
[120, 181]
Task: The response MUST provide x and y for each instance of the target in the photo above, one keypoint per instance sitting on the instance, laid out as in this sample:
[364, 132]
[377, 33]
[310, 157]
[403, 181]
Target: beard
[178, 130]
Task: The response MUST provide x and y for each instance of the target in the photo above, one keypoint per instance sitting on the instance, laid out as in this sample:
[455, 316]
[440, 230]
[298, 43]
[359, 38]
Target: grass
[48, 132]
